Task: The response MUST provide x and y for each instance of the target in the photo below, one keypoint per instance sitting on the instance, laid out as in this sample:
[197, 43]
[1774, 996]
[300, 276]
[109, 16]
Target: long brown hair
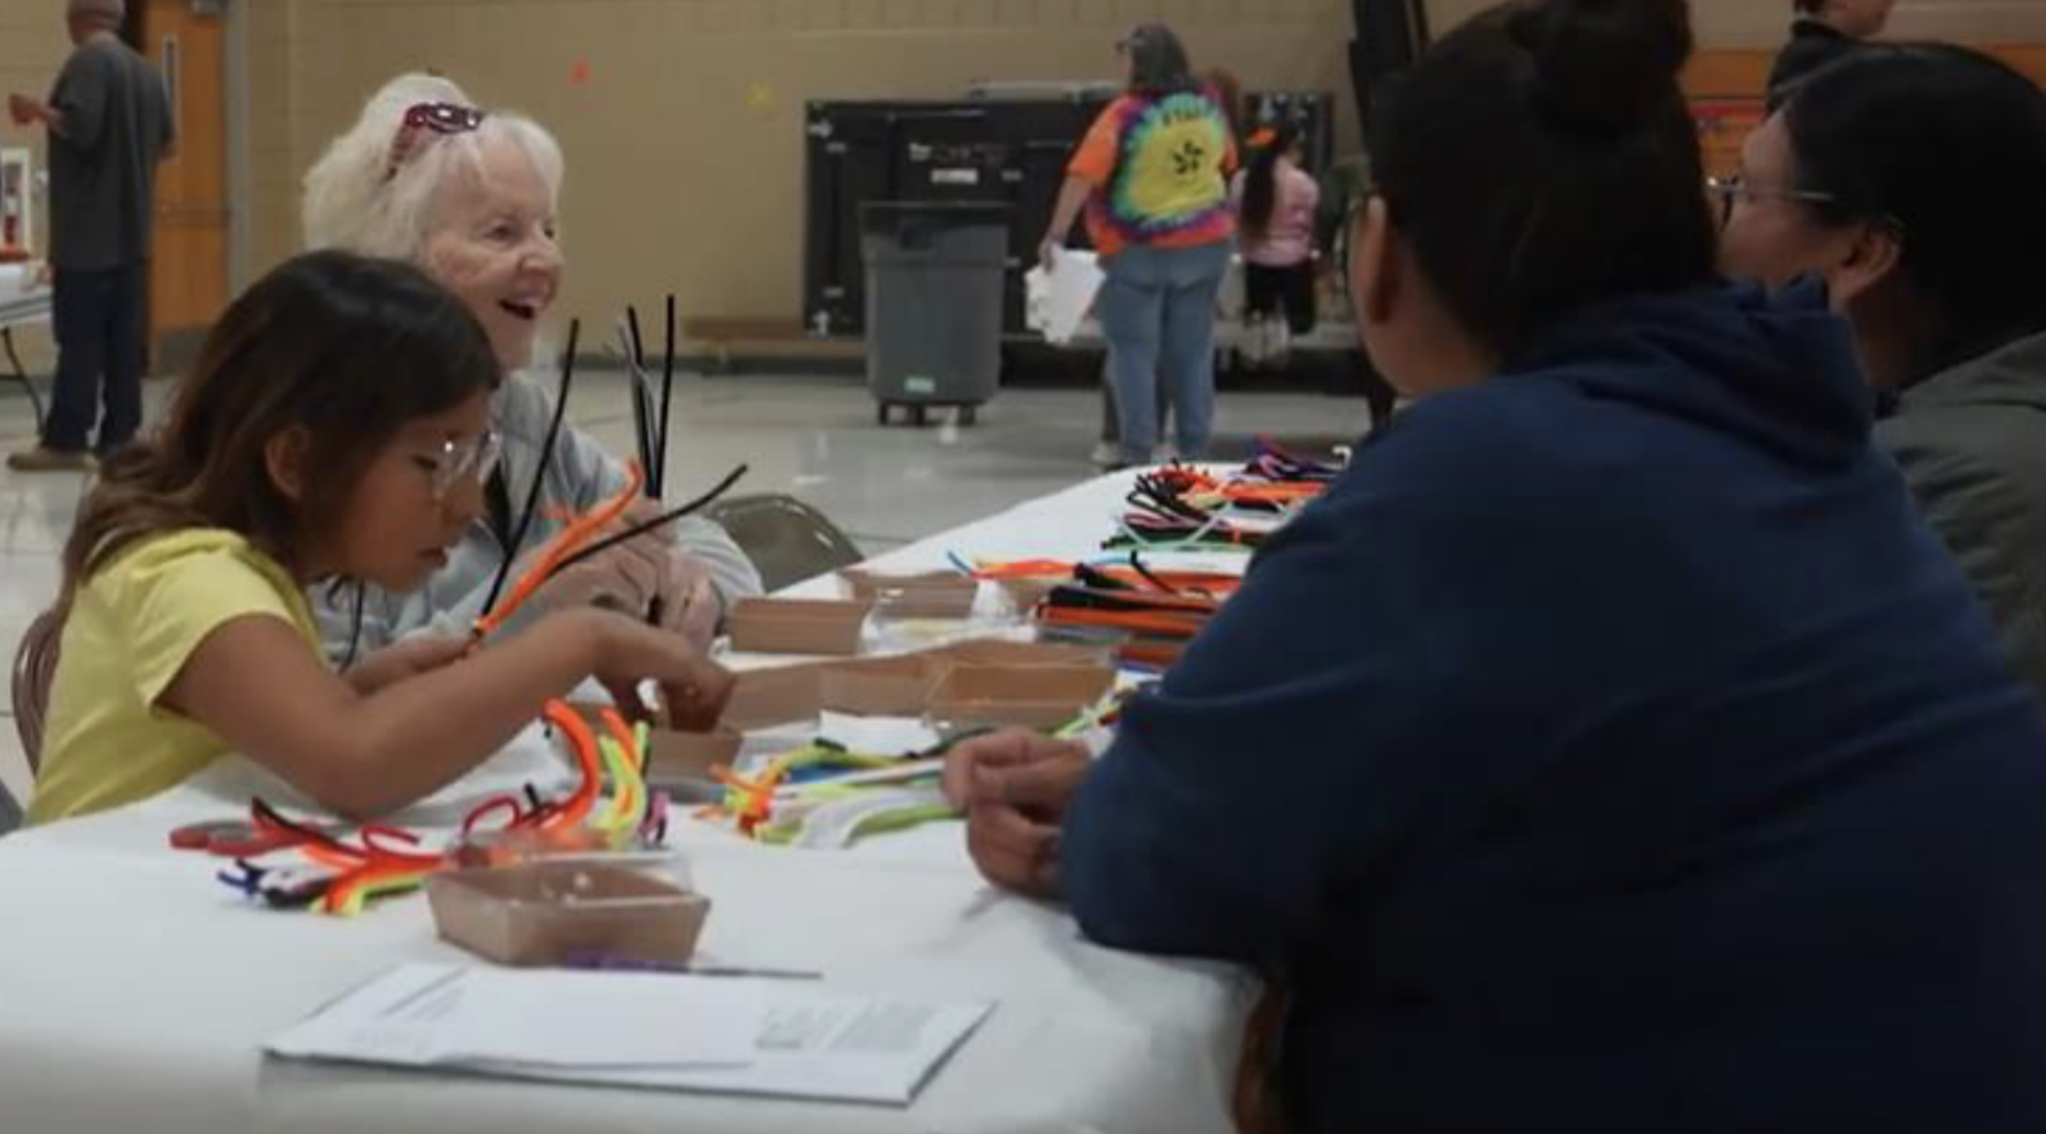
[347, 348]
[1261, 183]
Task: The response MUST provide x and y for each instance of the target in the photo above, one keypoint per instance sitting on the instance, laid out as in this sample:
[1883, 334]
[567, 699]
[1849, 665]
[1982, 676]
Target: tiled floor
[813, 437]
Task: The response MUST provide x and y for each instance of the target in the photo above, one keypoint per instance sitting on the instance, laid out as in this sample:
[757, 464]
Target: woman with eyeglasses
[1152, 177]
[1612, 748]
[472, 197]
[1909, 180]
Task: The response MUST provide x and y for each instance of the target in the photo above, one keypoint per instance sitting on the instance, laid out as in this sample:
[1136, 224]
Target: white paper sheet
[878, 736]
[675, 1032]
[425, 1015]
[1057, 301]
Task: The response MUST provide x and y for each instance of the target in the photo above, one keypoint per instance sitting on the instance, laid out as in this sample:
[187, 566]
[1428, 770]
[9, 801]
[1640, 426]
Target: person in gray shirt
[109, 123]
[1908, 177]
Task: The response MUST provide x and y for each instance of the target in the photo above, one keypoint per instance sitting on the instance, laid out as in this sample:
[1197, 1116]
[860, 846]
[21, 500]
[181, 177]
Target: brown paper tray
[1039, 697]
[798, 626]
[549, 913]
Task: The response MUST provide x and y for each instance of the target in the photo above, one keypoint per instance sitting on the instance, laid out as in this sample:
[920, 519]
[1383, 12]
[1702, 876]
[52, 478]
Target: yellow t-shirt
[131, 628]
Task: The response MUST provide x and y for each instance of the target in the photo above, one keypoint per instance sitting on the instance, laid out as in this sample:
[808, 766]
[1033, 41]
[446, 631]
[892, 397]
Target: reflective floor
[813, 437]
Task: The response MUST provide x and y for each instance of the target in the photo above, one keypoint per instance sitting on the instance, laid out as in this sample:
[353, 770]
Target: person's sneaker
[1107, 455]
[46, 460]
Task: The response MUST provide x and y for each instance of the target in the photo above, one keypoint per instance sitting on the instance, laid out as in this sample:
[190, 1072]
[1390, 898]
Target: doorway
[188, 273]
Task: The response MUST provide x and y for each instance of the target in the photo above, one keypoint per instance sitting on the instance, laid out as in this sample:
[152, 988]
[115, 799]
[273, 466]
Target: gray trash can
[935, 279]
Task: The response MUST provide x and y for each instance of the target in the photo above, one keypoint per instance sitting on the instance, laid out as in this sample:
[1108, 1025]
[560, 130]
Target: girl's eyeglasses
[476, 458]
[1731, 191]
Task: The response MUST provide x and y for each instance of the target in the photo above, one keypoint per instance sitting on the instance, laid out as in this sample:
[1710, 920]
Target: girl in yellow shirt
[334, 428]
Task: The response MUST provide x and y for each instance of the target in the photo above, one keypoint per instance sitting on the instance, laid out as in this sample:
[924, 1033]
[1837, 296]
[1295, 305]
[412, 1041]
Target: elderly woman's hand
[690, 605]
[624, 578]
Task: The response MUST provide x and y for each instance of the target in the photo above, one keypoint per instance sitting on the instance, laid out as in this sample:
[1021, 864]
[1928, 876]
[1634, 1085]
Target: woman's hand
[1049, 251]
[624, 578]
[690, 605]
[1014, 787]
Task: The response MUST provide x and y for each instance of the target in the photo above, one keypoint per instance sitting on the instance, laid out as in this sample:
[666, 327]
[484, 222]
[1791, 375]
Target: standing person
[109, 123]
[1152, 176]
[1276, 204]
[1821, 33]
[471, 197]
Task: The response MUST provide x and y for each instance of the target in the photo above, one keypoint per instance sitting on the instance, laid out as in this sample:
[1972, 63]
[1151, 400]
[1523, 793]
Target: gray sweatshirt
[579, 476]
[1972, 444]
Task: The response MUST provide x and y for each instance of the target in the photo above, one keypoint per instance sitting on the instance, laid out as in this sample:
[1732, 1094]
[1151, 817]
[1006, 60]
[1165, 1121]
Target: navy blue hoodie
[1611, 750]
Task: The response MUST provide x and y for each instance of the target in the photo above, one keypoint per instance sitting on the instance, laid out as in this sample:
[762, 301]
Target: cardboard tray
[882, 687]
[552, 912]
[900, 686]
[766, 698]
[1025, 655]
[935, 594]
[798, 626]
[1039, 697]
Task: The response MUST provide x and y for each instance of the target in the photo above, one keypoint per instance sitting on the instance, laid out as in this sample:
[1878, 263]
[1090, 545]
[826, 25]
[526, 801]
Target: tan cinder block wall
[33, 45]
[685, 138]
[684, 143]
[1765, 23]
[275, 165]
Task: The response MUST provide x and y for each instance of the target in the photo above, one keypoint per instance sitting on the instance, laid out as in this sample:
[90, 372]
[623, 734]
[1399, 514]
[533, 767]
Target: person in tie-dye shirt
[1153, 178]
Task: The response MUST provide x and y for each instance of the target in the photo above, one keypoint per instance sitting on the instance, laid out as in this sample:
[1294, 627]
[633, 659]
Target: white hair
[358, 200]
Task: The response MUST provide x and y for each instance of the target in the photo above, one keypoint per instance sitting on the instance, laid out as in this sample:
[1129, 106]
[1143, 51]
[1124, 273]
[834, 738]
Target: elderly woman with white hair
[471, 197]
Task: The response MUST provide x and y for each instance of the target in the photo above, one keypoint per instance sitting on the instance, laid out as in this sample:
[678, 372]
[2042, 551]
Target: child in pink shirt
[1276, 203]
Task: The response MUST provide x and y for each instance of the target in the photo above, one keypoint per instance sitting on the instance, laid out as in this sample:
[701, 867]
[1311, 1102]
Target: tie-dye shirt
[1160, 169]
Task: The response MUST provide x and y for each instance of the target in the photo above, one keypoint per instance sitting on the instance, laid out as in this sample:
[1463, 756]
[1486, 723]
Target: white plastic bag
[1056, 302]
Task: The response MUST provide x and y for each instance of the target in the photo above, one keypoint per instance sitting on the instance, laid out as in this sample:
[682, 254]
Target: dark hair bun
[1605, 64]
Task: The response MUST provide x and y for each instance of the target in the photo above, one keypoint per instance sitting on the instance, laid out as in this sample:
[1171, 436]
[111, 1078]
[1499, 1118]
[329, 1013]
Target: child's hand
[694, 689]
[416, 655]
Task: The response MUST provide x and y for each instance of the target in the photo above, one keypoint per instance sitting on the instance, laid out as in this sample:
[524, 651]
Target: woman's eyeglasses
[1731, 191]
[443, 117]
[476, 458]
[423, 118]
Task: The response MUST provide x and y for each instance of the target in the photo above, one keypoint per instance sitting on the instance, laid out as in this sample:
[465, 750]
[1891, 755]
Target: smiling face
[492, 244]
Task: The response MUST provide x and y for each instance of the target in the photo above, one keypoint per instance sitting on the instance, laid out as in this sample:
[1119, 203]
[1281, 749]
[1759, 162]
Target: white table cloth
[135, 990]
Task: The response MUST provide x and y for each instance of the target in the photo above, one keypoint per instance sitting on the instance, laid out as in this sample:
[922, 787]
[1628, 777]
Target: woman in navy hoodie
[1612, 749]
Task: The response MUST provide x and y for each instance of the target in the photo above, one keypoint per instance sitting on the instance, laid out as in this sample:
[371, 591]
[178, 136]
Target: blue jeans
[97, 317]
[1157, 311]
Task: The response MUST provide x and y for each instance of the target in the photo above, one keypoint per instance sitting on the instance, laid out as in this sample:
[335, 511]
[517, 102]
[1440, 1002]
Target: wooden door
[186, 39]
